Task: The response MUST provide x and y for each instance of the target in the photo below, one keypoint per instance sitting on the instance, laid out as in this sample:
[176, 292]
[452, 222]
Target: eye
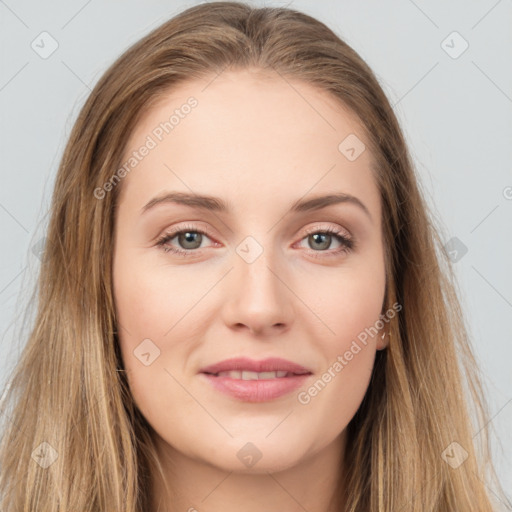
[322, 239]
[191, 237]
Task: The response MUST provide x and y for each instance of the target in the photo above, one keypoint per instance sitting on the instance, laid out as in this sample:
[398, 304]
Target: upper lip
[266, 365]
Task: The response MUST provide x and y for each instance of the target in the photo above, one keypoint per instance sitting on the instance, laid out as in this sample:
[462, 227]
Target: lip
[256, 390]
[271, 364]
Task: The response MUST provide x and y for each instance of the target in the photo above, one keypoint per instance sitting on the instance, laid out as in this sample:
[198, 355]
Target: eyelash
[347, 244]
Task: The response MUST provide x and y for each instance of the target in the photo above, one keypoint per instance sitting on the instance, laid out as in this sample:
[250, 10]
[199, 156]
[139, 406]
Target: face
[249, 274]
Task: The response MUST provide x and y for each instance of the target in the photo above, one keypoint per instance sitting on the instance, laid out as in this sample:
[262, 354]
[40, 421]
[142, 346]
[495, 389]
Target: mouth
[251, 380]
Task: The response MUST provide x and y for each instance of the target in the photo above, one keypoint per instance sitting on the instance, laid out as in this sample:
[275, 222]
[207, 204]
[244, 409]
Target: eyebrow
[216, 204]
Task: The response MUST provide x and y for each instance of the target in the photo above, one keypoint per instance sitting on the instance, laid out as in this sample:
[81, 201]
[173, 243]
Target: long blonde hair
[71, 405]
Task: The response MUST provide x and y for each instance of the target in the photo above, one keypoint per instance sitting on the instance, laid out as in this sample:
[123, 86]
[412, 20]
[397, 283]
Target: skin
[260, 143]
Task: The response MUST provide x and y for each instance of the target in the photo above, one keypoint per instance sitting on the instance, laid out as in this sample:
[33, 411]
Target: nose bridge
[254, 268]
[259, 298]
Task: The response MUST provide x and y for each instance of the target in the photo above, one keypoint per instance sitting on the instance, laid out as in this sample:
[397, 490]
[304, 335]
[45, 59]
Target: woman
[254, 370]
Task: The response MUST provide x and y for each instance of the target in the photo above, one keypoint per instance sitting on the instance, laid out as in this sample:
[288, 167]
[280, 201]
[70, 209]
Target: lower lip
[256, 390]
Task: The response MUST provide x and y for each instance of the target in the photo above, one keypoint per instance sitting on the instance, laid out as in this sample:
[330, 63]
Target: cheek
[349, 312]
[348, 302]
[151, 299]
[349, 306]
[156, 325]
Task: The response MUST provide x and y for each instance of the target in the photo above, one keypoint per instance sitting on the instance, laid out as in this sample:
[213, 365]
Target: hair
[69, 390]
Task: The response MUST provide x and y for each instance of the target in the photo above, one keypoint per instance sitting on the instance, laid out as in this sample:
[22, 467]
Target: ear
[383, 339]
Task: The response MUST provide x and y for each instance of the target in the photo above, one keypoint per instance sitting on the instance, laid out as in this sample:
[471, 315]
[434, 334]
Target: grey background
[455, 110]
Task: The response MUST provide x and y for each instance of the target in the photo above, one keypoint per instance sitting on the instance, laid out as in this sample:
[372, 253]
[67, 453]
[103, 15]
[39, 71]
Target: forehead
[235, 99]
[251, 134]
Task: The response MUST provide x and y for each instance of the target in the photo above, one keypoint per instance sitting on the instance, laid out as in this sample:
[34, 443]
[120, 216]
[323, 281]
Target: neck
[195, 485]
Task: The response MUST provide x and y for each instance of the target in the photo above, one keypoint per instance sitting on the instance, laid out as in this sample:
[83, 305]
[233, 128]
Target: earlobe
[383, 341]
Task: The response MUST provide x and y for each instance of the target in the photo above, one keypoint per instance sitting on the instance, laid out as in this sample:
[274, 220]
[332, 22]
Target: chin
[259, 455]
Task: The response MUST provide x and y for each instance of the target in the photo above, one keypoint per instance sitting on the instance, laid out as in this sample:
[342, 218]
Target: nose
[258, 297]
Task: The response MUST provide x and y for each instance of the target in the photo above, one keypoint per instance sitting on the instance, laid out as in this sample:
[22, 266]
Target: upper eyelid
[338, 228]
